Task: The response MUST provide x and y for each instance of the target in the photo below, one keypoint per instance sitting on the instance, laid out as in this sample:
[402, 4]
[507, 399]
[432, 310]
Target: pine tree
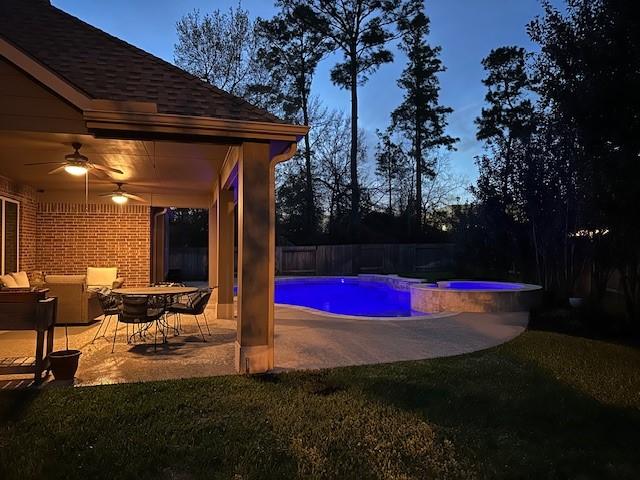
[420, 116]
[360, 31]
[293, 50]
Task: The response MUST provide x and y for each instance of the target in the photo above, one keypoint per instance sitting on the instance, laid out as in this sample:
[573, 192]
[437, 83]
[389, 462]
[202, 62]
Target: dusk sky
[465, 29]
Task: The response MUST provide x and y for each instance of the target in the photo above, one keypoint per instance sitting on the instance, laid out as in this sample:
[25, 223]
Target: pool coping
[523, 287]
[340, 316]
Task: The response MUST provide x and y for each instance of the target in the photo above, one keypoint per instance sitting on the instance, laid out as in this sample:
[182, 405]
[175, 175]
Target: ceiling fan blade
[44, 163]
[134, 197]
[57, 170]
[106, 194]
[104, 168]
[99, 174]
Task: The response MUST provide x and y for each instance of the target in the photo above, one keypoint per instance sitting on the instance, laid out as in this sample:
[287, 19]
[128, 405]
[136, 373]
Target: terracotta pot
[64, 363]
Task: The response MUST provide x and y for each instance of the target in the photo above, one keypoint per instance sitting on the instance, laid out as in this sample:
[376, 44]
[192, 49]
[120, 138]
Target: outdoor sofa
[77, 294]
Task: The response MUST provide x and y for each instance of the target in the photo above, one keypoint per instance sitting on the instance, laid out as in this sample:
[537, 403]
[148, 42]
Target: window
[9, 225]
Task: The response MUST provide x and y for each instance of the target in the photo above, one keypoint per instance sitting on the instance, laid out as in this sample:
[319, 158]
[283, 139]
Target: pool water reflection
[346, 296]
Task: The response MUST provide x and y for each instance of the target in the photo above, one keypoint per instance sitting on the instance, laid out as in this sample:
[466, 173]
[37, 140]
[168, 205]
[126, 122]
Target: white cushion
[21, 278]
[8, 281]
[101, 276]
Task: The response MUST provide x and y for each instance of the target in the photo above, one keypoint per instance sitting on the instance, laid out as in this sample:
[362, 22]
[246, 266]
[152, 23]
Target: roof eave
[163, 123]
[142, 117]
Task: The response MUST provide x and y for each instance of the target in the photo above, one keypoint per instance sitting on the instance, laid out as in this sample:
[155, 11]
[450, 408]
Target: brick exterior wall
[28, 205]
[70, 238]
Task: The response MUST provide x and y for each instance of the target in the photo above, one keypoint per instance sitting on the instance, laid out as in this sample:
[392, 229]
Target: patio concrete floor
[303, 340]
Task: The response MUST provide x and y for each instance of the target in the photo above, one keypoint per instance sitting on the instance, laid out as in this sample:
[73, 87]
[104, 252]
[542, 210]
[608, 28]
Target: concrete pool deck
[303, 340]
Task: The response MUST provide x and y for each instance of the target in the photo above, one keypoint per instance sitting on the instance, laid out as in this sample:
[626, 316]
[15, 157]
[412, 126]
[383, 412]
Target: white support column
[256, 259]
[225, 252]
[213, 246]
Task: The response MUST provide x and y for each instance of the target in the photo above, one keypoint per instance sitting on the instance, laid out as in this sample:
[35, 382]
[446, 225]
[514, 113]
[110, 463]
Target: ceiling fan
[120, 196]
[77, 164]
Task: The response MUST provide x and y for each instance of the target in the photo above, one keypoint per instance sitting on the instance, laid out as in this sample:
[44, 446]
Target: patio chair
[195, 305]
[139, 311]
[110, 306]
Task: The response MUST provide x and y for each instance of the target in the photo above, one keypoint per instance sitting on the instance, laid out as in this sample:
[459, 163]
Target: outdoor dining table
[159, 291]
[156, 292]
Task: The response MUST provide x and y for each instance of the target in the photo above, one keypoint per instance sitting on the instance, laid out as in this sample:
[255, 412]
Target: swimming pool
[347, 296]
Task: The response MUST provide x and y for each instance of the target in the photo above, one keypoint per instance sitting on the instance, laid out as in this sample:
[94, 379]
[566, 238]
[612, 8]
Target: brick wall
[28, 204]
[69, 239]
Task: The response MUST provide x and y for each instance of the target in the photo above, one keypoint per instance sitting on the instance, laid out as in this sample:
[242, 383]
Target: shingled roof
[107, 68]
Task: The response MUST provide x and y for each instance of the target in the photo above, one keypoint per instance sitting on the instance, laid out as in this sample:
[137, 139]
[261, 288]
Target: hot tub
[474, 296]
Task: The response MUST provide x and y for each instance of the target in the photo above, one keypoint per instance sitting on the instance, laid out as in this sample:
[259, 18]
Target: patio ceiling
[157, 168]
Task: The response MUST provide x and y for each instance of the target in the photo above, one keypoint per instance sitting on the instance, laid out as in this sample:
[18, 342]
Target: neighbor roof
[107, 68]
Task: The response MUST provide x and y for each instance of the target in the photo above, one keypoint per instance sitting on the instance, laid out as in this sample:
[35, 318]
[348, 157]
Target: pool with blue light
[346, 296]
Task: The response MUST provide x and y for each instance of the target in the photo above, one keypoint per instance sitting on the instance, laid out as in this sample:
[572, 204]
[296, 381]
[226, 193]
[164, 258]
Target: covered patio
[166, 136]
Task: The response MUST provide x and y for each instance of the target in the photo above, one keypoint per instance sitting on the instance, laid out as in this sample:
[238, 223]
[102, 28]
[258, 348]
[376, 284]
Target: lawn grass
[542, 406]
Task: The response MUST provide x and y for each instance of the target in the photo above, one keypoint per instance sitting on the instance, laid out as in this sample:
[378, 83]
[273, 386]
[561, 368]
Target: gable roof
[107, 68]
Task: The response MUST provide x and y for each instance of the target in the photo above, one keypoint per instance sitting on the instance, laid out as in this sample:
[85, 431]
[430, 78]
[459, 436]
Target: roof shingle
[107, 68]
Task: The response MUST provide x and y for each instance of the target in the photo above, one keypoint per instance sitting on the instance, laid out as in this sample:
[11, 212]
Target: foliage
[420, 117]
[218, 48]
[188, 227]
[558, 183]
[391, 166]
[360, 31]
[293, 51]
[589, 69]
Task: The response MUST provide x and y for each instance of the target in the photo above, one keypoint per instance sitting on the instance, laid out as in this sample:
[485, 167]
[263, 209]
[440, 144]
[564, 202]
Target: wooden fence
[353, 259]
[333, 259]
[191, 263]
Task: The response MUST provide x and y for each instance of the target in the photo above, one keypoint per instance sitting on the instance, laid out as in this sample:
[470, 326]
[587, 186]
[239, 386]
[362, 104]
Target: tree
[507, 119]
[360, 31]
[589, 69]
[391, 164]
[218, 48]
[420, 117]
[293, 50]
[333, 172]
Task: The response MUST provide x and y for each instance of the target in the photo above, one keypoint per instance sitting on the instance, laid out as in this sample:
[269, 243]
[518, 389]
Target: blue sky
[465, 29]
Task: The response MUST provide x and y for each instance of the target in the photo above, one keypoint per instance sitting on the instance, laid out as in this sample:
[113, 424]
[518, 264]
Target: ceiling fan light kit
[78, 165]
[119, 198]
[76, 169]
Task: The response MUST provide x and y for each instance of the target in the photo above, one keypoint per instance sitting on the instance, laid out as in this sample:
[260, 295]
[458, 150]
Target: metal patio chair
[140, 311]
[110, 305]
[195, 305]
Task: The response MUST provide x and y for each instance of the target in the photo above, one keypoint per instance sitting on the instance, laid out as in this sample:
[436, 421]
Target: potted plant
[64, 363]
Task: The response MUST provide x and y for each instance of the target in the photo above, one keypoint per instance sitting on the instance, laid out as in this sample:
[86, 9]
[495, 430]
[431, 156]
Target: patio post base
[224, 310]
[253, 359]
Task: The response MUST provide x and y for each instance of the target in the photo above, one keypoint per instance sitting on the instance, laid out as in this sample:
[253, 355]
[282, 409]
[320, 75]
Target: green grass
[542, 406]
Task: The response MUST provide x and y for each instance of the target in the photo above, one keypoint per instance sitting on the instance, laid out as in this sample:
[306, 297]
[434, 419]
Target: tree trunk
[355, 187]
[310, 220]
[418, 159]
[390, 183]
